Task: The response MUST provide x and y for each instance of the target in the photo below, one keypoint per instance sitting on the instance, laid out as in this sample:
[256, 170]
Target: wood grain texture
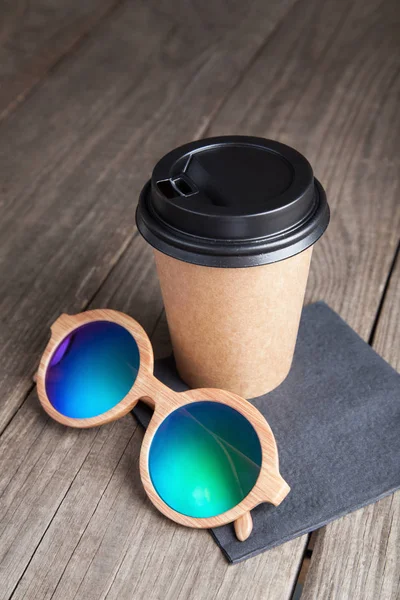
[358, 556]
[34, 36]
[72, 527]
[74, 158]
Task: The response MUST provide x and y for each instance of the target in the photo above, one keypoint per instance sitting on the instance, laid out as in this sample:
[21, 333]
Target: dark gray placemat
[336, 419]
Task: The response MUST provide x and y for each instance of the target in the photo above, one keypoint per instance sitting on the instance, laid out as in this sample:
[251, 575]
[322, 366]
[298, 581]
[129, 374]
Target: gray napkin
[336, 420]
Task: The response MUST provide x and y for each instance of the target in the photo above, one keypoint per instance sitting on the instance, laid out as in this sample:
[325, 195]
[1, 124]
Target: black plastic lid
[232, 201]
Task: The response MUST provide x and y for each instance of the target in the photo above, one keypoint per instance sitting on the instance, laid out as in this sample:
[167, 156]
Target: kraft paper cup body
[233, 221]
[234, 329]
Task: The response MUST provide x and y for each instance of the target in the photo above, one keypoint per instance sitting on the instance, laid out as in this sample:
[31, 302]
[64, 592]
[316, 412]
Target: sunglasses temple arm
[243, 526]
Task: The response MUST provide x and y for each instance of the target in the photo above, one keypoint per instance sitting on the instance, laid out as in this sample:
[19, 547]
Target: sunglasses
[208, 456]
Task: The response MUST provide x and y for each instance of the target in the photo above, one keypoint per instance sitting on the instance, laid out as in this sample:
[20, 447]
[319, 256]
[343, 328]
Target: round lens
[92, 370]
[204, 459]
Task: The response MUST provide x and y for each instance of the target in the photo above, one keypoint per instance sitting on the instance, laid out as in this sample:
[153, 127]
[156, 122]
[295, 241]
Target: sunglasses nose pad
[243, 526]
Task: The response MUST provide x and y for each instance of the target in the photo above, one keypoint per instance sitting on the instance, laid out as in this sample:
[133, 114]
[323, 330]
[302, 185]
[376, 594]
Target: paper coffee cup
[233, 221]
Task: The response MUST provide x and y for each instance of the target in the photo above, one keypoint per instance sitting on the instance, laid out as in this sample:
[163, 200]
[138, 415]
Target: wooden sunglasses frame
[269, 487]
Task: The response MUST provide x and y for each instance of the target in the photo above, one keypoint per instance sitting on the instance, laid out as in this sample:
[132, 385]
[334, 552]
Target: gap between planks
[391, 270]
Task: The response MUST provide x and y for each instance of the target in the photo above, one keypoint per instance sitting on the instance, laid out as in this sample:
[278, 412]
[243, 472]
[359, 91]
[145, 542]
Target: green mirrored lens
[204, 459]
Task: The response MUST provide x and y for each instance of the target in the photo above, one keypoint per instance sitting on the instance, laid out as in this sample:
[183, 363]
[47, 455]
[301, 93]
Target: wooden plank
[35, 37]
[74, 158]
[107, 553]
[130, 577]
[358, 556]
[55, 462]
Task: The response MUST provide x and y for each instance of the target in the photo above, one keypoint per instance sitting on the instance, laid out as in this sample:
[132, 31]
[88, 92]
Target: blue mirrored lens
[92, 370]
[204, 459]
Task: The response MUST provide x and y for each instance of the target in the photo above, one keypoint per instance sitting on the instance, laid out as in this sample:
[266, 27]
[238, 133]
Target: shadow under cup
[205, 457]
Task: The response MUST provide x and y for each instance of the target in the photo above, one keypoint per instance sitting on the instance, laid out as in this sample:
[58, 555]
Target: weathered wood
[35, 36]
[358, 556]
[355, 312]
[113, 544]
[74, 158]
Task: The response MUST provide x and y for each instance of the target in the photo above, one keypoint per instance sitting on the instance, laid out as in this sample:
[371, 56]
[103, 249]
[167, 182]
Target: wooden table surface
[92, 93]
